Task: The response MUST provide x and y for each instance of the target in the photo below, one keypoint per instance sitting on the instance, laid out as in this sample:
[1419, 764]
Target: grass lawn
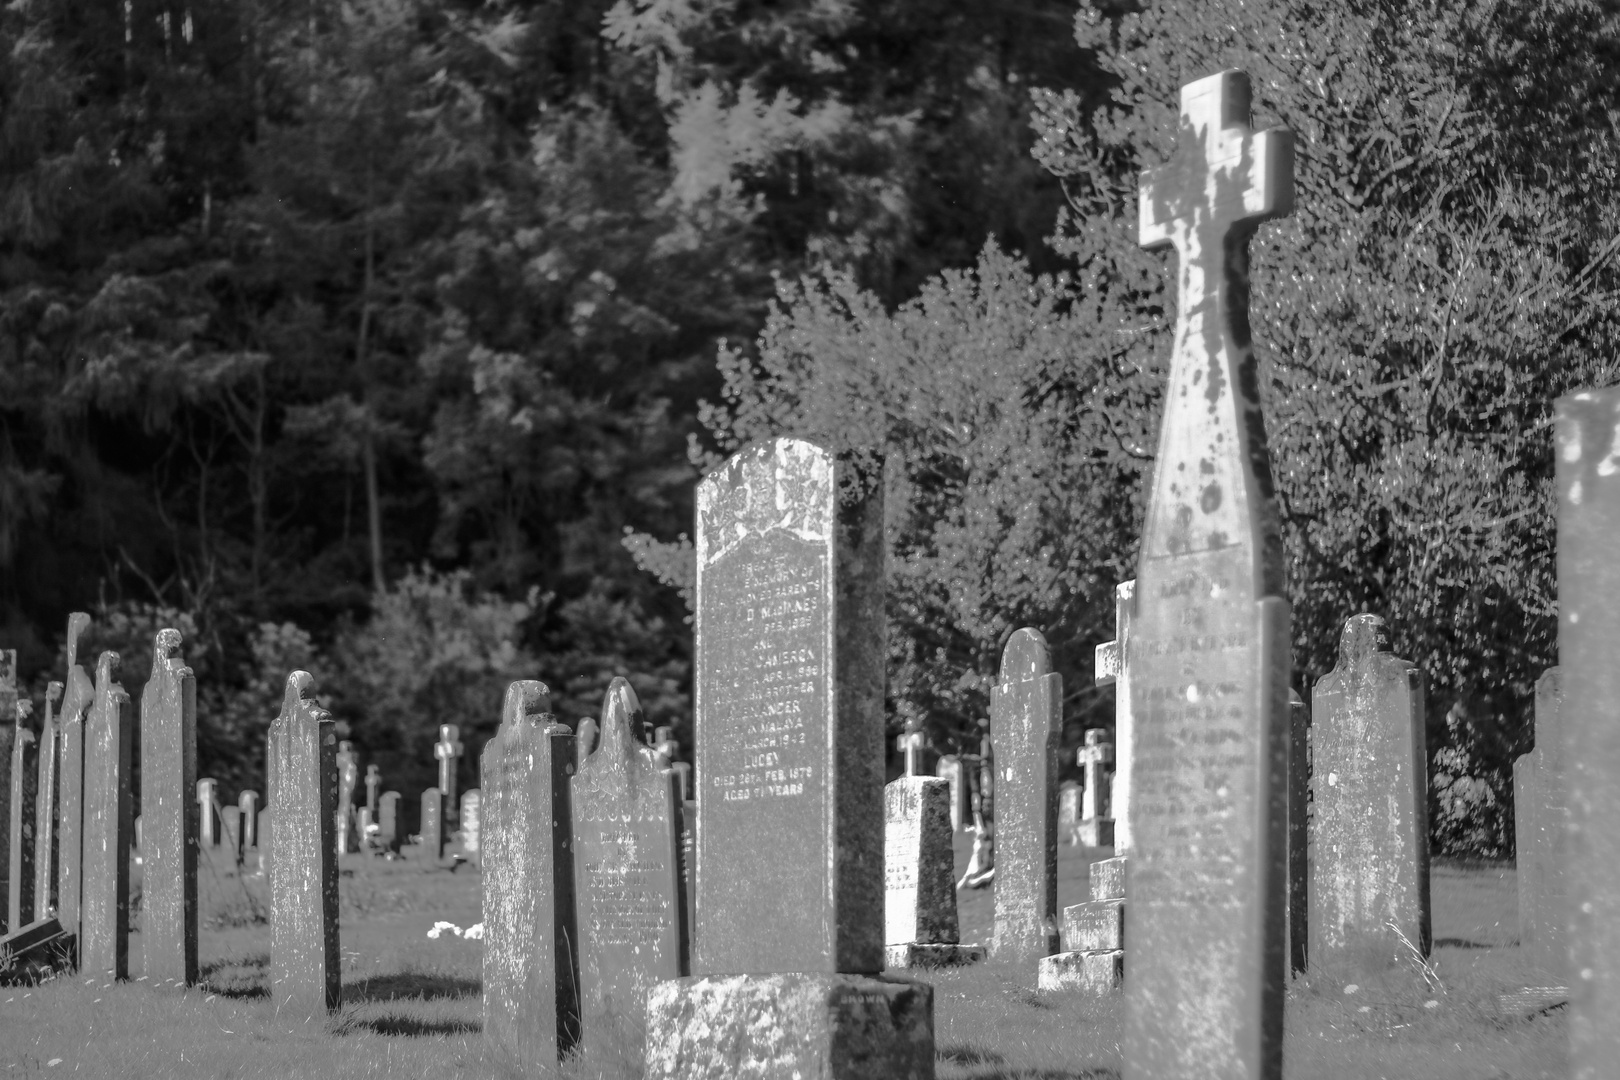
[411, 1003]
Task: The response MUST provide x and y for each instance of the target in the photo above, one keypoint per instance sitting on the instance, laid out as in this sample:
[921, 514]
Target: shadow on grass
[1460, 943]
[241, 977]
[968, 1056]
[416, 985]
[412, 1025]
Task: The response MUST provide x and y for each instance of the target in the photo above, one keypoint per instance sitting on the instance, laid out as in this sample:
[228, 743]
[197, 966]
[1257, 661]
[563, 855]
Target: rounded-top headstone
[1026, 656]
[1363, 636]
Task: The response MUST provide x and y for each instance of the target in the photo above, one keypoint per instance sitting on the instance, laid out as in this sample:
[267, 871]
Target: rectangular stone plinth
[790, 1027]
[1097, 832]
[920, 955]
[1108, 879]
[1087, 972]
[1095, 925]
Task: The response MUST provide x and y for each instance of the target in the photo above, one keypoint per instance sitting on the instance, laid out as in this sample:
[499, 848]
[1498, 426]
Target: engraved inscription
[627, 905]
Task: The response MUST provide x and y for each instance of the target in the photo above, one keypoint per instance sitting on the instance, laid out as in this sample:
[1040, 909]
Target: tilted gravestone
[108, 828]
[627, 870]
[919, 897]
[169, 815]
[50, 752]
[1369, 844]
[789, 689]
[21, 772]
[305, 979]
[77, 698]
[432, 823]
[1026, 719]
[1209, 653]
[531, 993]
[1541, 832]
[1586, 435]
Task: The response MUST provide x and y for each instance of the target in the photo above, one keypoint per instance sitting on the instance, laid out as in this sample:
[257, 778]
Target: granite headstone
[108, 828]
[169, 816]
[1026, 719]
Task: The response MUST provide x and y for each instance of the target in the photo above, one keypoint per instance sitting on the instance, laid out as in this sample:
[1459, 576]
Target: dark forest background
[388, 338]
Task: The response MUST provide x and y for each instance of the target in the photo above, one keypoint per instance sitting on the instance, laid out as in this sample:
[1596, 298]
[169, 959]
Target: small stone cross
[1092, 757]
[373, 782]
[910, 744]
[447, 750]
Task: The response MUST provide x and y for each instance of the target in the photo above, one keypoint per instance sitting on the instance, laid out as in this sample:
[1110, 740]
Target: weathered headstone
[210, 832]
[1026, 717]
[1111, 667]
[432, 824]
[627, 870]
[50, 752]
[789, 688]
[169, 813]
[919, 897]
[949, 768]
[230, 828]
[1299, 830]
[22, 770]
[1093, 960]
[388, 834]
[1071, 794]
[248, 803]
[77, 697]
[348, 770]
[1541, 830]
[373, 787]
[1096, 823]
[9, 730]
[108, 829]
[1209, 652]
[448, 750]
[531, 1002]
[305, 979]
[1587, 433]
[471, 822]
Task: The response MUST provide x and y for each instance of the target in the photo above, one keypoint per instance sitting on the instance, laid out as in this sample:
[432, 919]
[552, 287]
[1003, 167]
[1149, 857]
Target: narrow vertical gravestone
[169, 816]
[248, 803]
[50, 751]
[208, 823]
[627, 870]
[531, 970]
[1112, 668]
[1587, 435]
[448, 750]
[305, 979]
[11, 730]
[77, 698]
[1026, 720]
[23, 771]
[348, 772]
[1541, 829]
[388, 823]
[919, 908]
[433, 823]
[1209, 654]
[1299, 831]
[108, 828]
[1369, 852]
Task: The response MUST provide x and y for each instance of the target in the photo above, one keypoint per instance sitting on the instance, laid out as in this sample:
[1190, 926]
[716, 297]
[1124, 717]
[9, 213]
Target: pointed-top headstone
[1026, 721]
[1369, 845]
[531, 1002]
[50, 750]
[305, 979]
[108, 828]
[77, 697]
[169, 816]
[632, 933]
[1209, 656]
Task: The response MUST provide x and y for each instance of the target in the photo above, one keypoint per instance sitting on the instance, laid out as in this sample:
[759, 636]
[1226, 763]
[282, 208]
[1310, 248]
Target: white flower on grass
[441, 926]
[475, 932]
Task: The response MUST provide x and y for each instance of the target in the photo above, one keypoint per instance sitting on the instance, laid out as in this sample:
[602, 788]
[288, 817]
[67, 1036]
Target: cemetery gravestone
[21, 769]
[448, 750]
[1586, 435]
[1541, 829]
[364, 828]
[9, 729]
[305, 979]
[1299, 824]
[949, 768]
[209, 831]
[1209, 652]
[1093, 960]
[388, 823]
[433, 823]
[471, 831]
[1070, 799]
[373, 786]
[108, 829]
[169, 814]
[50, 750]
[789, 689]
[1096, 826]
[1112, 668]
[627, 870]
[248, 803]
[1369, 852]
[348, 766]
[919, 903]
[1026, 717]
[77, 698]
[531, 1003]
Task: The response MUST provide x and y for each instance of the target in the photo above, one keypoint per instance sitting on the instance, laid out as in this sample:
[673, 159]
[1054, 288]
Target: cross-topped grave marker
[1096, 827]
[1209, 655]
[448, 750]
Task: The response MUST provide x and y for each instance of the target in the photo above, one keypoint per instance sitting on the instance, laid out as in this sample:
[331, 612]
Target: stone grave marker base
[917, 955]
[1092, 973]
[799, 1026]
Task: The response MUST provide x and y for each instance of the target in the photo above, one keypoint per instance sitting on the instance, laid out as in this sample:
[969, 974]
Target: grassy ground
[411, 1003]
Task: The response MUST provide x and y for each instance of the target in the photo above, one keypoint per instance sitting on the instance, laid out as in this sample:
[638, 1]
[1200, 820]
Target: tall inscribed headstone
[1026, 721]
[1369, 845]
[305, 979]
[627, 869]
[1588, 479]
[169, 816]
[1209, 657]
[50, 752]
[531, 989]
[789, 691]
[77, 698]
[109, 829]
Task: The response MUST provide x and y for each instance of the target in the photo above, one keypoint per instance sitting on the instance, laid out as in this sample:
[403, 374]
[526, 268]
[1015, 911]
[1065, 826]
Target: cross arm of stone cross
[1107, 664]
[1098, 752]
[1222, 173]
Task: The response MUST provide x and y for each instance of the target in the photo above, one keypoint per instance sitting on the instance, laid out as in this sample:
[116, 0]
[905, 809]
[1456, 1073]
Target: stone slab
[30, 953]
[109, 830]
[919, 955]
[169, 817]
[790, 1027]
[1094, 925]
[1107, 878]
[1026, 722]
[1093, 973]
[1541, 820]
[919, 862]
[77, 698]
[788, 696]
[1299, 817]
[50, 751]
